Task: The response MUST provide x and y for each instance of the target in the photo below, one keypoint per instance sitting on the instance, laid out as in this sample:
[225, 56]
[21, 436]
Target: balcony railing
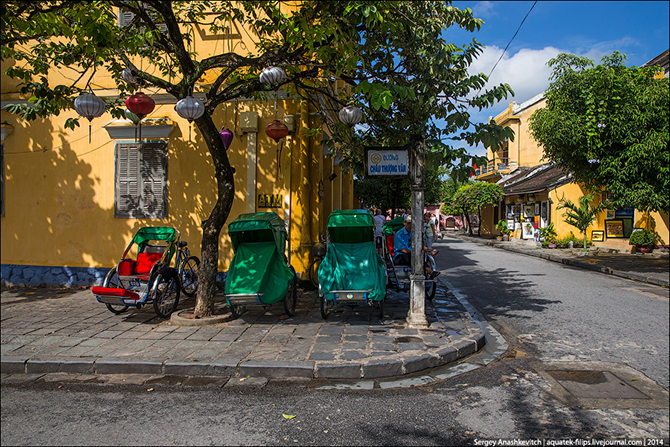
[496, 165]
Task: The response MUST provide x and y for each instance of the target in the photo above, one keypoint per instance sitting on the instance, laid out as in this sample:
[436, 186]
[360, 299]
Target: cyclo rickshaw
[259, 273]
[148, 279]
[352, 272]
[399, 275]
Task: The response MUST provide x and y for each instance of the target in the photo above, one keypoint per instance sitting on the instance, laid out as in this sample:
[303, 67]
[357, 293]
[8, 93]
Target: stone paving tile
[107, 334]
[294, 351]
[153, 335]
[210, 350]
[265, 351]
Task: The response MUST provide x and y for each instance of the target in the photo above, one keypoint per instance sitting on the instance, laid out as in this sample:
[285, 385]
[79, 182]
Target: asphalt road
[563, 313]
[547, 312]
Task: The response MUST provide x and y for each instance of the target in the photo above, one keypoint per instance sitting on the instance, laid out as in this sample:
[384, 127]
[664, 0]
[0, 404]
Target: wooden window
[125, 17]
[141, 180]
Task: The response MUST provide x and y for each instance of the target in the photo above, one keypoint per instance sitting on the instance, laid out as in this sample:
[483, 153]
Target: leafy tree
[383, 193]
[394, 194]
[580, 216]
[608, 125]
[390, 54]
[473, 196]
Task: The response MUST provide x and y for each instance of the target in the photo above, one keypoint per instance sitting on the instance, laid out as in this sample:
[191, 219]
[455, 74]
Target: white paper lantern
[351, 115]
[127, 75]
[272, 76]
[89, 106]
[190, 109]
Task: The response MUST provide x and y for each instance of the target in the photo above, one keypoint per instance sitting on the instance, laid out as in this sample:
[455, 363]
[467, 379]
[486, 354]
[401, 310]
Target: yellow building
[534, 187]
[66, 217]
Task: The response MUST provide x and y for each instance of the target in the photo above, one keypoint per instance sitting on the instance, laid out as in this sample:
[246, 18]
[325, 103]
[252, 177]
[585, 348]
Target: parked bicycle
[187, 266]
[318, 253]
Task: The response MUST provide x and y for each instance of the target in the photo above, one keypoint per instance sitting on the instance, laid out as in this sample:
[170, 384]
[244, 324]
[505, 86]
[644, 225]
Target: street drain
[595, 385]
[409, 339]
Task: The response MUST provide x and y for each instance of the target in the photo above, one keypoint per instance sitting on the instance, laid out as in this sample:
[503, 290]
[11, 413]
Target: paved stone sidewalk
[67, 331]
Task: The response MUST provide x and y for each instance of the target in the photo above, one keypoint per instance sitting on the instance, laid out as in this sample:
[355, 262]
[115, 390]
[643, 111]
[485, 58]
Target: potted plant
[504, 231]
[643, 240]
[548, 236]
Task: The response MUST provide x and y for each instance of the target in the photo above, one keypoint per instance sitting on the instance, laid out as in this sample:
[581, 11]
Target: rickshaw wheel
[291, 296]
[117, 308]
[236, 310]
[323, 305]
[166, 292]
[189, 276]
[112, 281]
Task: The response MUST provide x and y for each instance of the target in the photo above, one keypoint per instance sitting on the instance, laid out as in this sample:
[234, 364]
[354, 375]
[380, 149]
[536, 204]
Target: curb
[375, 368]
[575, 263]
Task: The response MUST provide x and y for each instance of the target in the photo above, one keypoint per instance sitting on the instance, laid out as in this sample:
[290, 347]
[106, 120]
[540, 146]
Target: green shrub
[548, 233]
[642, 238]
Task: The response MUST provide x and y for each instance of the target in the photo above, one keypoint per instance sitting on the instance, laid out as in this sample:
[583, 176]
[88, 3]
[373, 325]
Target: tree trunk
[211, 228]
[467, 219]
[479, 227]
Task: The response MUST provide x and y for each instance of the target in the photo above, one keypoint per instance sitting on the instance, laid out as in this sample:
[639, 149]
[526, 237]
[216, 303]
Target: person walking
[379, 225]
[431, 230]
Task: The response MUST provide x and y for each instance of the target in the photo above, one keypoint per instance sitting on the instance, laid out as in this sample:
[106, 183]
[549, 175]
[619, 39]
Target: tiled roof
[538, 179]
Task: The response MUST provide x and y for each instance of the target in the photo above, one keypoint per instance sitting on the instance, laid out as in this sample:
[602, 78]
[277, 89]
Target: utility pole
[416, 318]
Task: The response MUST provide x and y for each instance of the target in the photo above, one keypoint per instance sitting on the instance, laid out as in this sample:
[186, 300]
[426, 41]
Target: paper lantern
[127, 75]
[226, 137]
[191, 109]
[89, 106]
[272, 76]
[141, 105]
[276, 130]
[351, 115]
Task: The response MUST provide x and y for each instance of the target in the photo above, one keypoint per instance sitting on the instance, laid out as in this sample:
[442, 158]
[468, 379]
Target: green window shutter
[154, 180]
[127, 192]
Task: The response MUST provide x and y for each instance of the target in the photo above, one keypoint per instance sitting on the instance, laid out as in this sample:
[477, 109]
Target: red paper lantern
[140, 104]
[276, 130]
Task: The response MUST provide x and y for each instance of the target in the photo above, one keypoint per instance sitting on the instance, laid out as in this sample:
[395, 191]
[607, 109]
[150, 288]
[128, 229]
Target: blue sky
[636, 28]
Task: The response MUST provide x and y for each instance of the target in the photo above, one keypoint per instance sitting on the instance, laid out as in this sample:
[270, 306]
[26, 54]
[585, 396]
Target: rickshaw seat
[146, 261]
[110, 291]
[390, 244]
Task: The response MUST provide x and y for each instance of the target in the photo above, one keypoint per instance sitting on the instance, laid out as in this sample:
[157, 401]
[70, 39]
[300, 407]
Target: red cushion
[389, 244]
[145, 261]
[126, 267]
[109, 291]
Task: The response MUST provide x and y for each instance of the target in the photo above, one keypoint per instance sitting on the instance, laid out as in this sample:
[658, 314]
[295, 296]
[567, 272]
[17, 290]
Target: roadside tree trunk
[211, 228]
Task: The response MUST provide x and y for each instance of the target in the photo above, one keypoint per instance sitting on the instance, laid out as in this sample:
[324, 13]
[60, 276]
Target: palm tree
[582, 216]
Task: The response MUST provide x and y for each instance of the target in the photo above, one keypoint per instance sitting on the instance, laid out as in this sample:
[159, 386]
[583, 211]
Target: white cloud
[483, 9]
[526, 71]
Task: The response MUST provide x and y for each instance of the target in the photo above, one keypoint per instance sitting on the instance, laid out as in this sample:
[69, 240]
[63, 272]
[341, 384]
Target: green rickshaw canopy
[351, 261]
[259, 264]
[393, 225]
[167, 234]
[351, 226]
[258, 227]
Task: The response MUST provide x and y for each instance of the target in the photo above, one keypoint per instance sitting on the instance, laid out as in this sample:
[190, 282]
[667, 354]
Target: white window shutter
[154, 180]
[127, 194]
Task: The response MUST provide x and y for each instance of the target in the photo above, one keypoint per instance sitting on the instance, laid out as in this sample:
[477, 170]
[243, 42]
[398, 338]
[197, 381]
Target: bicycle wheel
[291, 296]
[431, 286]
[112, 281]
[166, 291]
[313, 272]
[188, 273]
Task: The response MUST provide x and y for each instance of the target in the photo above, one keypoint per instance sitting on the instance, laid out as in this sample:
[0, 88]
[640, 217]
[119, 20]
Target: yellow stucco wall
[528, 153]
[59, 189]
